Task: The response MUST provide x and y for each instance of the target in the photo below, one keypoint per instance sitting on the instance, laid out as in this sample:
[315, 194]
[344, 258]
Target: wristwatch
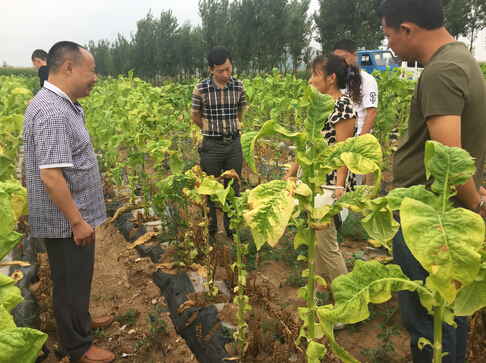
[481, 205]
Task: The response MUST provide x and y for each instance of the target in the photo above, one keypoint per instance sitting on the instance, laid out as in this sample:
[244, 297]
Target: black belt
[225, 138]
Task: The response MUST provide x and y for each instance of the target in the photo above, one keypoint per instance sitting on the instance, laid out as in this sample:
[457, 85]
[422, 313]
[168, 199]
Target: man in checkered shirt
[218, 103]
[65, 196]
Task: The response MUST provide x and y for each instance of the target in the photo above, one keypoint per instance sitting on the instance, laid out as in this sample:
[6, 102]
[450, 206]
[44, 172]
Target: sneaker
[101, 322]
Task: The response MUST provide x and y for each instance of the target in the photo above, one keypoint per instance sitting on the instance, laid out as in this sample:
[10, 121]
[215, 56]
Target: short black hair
[218, 56]
[345, 44]
[39, 53]
[427, 14]
[62, 52]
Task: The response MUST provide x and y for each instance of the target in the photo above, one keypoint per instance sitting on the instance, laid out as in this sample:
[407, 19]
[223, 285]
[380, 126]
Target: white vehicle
[412, 69]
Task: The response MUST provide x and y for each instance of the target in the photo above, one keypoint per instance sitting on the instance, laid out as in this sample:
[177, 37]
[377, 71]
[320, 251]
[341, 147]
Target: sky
[26, 25]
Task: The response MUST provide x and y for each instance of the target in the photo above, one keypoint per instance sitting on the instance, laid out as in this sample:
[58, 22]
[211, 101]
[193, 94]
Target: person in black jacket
[39, 60]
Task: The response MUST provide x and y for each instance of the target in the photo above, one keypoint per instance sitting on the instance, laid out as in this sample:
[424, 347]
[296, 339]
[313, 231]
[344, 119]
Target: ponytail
[348, 77]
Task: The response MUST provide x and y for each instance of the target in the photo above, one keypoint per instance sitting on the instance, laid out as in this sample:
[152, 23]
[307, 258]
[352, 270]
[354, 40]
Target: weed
[352, 228]
[269, 327]
[97, 297]
[129, 318]
[384, 350]
[158, 327]
[99, 333]
[358, 255]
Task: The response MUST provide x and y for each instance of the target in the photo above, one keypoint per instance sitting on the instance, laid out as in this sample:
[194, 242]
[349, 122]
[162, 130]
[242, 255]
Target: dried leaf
[201, 271]
[233, 358]
[11, 263]
[145, 238]
[118, 212]
[188, 304]
[165, 266]
[17, 276]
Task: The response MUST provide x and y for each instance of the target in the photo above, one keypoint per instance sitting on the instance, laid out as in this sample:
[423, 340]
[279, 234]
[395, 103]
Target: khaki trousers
[329, 261]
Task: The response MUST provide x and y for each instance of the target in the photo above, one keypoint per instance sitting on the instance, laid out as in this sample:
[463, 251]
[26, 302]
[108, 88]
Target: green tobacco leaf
[450, 167]
[316, 351]
[8, 241]
[362, 155]
[248, 148]
[472, 297]
[320, 108]
[157, 150]
[6, 167]
[380, 224]
[6, 214]
[369, 282]
[9, 297]
[271, 206]
[445, 244]
[327, 327]
[176, 163]
[21, 345]
[417, 192]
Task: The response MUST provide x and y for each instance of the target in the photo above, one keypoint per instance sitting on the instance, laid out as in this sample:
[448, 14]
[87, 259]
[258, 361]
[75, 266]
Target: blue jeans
[415, 317]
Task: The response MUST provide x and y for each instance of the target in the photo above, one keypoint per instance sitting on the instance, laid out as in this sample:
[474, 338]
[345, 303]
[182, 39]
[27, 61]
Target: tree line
[261, 35]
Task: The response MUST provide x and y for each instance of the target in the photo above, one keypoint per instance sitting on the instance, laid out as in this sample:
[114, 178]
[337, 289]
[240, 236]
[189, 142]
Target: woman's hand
[339, 193]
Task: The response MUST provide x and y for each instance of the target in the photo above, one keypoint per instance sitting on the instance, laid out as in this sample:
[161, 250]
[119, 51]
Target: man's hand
[83, 234]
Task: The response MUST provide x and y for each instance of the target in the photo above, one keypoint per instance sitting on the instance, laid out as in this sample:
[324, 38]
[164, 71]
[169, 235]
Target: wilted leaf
[201, 271]
[17, 276]
[186, 305]
[165, 266]
[142, 239]
[118, 212]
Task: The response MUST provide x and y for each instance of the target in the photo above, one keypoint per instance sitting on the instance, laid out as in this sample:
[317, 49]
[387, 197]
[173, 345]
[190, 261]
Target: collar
[61, 94]
[231, 81]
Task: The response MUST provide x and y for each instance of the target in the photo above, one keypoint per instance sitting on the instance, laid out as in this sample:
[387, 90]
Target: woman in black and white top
[330, 74]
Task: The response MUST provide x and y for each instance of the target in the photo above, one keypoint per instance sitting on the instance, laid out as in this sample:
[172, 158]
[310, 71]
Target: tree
[476, 19]
[122, 55]
[355, 19]
[272, 19]
[167, 58]
[297, 35]
[145, 46]
[103, 57]
[456, 16]
[215, 22]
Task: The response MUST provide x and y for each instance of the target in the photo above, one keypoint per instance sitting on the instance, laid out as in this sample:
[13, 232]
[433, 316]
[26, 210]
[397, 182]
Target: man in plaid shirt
[218, 103]
[65, 196]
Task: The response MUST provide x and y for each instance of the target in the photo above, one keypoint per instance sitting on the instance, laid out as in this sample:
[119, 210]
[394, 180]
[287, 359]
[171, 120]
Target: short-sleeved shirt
[451, 84]
[343, 110]
[369, 89]
[219, 106]
[55, 136]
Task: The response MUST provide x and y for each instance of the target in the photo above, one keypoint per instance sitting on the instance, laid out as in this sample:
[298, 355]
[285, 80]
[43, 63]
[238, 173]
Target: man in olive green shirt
[448, 106]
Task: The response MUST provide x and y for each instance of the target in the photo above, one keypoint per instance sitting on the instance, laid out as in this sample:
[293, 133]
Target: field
[255, 287]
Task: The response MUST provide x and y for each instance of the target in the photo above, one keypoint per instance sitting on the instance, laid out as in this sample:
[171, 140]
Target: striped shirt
[219, 106]
[55, 136]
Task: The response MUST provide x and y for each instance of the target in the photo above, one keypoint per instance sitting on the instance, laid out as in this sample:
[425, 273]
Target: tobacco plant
[272, 204]
[448, 242]
[236, 207]
[16, 344]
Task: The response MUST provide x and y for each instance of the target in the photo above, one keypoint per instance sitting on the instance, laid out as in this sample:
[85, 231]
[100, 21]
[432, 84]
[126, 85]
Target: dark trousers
[217, 157]
[71, 272]
[415, 317]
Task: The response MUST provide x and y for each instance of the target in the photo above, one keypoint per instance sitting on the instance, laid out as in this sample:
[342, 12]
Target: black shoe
[212, 240]
[231, 233]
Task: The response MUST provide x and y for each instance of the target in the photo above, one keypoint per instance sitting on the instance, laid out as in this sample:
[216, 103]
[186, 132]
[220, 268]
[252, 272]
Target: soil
[143, 331]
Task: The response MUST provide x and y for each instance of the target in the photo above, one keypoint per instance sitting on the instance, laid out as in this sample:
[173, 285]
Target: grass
[352, 228]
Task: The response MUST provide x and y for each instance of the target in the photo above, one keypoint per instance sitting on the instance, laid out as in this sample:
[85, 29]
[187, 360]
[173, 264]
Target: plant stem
[241, 301]
[208, 261]
[438, 319]
[311, 248]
